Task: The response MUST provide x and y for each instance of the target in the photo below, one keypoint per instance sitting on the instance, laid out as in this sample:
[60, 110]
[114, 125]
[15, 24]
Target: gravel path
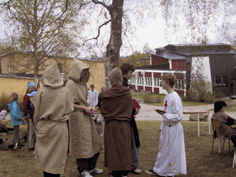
[147, 112]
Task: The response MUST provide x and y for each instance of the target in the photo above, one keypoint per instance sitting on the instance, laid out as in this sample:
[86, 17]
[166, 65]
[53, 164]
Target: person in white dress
[171, 159]
[92, 98]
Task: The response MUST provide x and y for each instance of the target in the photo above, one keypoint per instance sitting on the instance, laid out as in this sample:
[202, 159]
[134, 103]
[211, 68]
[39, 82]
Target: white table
[198, 120]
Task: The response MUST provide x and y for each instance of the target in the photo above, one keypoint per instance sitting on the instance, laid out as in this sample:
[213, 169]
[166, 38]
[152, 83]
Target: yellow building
[16, 70]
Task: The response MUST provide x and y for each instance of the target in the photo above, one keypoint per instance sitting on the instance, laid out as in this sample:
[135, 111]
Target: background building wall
[13, 63]
[10, 84]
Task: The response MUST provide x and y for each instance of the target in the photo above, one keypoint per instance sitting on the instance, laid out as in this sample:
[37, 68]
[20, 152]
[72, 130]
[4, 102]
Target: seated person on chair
[226, 121]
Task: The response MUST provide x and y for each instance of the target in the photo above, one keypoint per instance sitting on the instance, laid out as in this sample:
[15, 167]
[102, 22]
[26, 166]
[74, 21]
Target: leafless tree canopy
[106, 26]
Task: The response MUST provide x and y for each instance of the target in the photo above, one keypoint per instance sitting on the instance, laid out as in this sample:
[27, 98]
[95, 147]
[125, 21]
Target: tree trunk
[115, 42]
[36, 71]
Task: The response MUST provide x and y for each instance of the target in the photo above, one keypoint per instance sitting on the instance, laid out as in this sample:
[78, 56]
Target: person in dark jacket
[127, 72]
[25, 109]
[30, 108]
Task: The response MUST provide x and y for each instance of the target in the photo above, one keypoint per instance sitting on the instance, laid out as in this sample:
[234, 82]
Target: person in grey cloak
[53, 104]
[85, 144]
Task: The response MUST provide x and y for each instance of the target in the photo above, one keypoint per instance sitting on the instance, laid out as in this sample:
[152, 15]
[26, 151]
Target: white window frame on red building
[154, 82]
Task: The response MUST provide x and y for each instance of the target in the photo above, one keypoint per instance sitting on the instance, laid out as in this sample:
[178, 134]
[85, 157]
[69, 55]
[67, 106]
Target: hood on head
[52, 77]
[115, 77]
[76, 70]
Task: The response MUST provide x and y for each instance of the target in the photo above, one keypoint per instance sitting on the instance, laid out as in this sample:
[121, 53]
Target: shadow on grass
[200, 162]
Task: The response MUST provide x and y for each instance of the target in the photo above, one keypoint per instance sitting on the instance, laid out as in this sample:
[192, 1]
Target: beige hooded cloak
[53, 103]
[84, 140]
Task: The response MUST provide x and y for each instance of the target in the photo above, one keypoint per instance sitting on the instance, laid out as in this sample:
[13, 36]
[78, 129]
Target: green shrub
[219, 94]
[184, 98]
[208, 97]
[199, 91]
[152, 98]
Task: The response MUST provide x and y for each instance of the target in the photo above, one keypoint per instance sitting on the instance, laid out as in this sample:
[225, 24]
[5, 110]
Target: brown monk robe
[116, 107]
[85, 143]
[52, 103]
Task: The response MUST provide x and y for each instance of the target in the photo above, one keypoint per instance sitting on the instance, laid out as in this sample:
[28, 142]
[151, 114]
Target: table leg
[234, 160]
[198, 121]
[209, 123]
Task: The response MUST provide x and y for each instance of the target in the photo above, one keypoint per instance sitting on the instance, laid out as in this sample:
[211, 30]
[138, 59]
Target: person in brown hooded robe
[116, 107]
[53, 104]
[85, 144]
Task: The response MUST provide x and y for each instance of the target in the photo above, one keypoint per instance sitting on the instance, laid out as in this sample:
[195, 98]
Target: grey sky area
[146, 24]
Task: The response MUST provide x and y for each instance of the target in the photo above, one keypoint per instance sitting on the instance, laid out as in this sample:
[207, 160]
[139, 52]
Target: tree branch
[61, 14]
[101, 3]
[99, 28]
[5, 3]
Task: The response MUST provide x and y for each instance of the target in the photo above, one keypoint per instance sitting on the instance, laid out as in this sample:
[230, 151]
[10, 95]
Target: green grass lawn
[231, 104]
[200, 162]
[185, 103]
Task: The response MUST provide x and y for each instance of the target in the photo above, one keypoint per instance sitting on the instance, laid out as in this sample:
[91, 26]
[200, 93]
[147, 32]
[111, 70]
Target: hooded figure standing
[117, 108]
[53, 104]
[84, 140]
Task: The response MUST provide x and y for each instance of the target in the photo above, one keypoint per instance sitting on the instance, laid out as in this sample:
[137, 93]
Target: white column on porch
[152, 82]
[144, 80]
[136, 81]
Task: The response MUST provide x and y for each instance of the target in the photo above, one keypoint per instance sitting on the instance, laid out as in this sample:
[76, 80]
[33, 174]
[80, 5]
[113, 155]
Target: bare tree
[194, 21]
[47, 20]
[198, 21]
[42, 28]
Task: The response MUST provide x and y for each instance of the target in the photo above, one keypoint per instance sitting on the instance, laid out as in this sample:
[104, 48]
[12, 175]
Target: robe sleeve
[72, 91]
[176, 113]
[69, 103]
[161, 126]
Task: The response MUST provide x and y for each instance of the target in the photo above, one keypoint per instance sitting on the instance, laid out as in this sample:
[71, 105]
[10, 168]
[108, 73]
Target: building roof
[170, 55]
[98, 59]
[199, 48]
[19, 75]
[182, 52]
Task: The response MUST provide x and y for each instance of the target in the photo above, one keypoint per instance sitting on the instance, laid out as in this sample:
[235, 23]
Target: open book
[159, 110]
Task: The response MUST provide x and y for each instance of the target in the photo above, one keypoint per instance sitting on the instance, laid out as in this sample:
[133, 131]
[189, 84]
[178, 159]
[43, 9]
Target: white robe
[93, 98]
[171, 159]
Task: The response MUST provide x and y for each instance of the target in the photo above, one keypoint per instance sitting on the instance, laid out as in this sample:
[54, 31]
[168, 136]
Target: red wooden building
[216, 63]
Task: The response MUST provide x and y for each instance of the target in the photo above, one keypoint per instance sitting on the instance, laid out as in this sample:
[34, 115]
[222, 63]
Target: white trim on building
[155, 82]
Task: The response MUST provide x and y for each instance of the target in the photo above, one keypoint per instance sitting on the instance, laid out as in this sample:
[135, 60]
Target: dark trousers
[119, 173]
[16, 137]
[50, 174]
[234, 141]
[87, 164]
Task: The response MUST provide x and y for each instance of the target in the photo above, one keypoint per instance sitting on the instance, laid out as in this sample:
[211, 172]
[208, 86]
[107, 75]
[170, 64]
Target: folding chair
[217, 124]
